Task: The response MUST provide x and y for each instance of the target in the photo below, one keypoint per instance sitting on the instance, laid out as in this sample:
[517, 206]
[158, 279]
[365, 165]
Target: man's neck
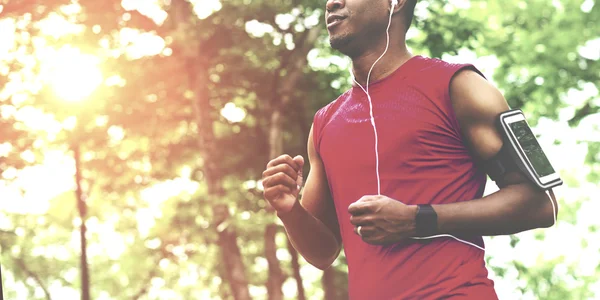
[395, 56]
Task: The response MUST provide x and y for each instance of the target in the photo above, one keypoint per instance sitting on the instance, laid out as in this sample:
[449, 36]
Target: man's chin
[339, 43]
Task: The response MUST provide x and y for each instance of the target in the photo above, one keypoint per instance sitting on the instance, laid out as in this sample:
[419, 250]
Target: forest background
[133, 135]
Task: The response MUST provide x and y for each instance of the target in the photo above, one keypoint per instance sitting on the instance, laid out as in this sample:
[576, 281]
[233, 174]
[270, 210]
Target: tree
[195, 101]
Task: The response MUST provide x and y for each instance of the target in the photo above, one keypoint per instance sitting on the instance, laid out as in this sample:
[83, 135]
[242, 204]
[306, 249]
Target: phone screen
[532, 148]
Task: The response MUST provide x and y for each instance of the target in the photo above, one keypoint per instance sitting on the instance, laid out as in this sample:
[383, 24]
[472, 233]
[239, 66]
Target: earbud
[394, 3]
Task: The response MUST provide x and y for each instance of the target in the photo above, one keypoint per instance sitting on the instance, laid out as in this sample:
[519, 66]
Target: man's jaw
[340, 42]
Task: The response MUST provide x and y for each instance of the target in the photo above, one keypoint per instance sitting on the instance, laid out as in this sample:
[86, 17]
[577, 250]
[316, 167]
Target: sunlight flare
[71, 74]
[233, 113]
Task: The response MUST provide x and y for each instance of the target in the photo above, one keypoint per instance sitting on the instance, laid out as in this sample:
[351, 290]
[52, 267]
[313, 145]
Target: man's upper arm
[476, 104]
[316, 197]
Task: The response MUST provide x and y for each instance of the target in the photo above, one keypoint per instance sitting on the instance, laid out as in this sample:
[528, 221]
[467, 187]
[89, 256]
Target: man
[434, 122]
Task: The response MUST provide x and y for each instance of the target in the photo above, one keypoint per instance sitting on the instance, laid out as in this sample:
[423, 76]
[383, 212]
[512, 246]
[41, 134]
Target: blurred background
[133, 135]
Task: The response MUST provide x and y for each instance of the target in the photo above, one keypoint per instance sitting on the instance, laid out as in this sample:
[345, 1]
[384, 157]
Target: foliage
[168, 169]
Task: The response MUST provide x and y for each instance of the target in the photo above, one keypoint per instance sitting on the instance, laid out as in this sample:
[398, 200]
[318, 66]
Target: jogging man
[394, 158]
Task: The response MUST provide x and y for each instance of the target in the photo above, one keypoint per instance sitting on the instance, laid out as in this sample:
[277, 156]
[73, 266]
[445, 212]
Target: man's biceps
[485, 141]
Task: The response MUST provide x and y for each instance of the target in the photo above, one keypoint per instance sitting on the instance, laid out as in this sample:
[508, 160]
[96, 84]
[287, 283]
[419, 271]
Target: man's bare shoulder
[477, 103]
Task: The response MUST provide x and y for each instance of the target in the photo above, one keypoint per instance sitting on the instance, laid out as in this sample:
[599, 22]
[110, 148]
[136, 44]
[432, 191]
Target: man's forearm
[310, 237]
[510, 210]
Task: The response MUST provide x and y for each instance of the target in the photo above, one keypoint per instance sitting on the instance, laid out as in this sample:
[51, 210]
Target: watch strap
[426, 220]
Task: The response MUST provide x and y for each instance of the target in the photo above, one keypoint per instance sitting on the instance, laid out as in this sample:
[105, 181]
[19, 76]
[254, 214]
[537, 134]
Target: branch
[581, 113]
[144, 289]
[304, 43]
[8, 232]
[21, 264]
[18, 8]
[12, 8]
[163, 254]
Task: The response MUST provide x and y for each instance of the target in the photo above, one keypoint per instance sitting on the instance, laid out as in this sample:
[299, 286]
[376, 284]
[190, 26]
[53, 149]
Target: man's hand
[383, 220]
[282, 181]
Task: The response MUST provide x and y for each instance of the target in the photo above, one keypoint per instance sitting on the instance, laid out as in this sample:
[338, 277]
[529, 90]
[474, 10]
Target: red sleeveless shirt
[422, 160]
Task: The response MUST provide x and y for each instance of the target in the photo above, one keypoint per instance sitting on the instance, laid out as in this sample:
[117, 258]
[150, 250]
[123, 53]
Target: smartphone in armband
[522, 148]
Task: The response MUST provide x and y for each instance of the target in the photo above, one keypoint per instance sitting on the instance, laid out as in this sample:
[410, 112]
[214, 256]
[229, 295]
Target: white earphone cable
[552, 199]
[450, 236]
[366, 90]
[387, 31]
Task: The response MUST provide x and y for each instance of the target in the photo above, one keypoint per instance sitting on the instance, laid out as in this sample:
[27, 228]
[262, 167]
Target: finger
[368, 198]
[365, 231]
[273, 192]
[283, 159]
[282, 168]
[280, 179]
[359, 208]
[299, 160]
[361, 220]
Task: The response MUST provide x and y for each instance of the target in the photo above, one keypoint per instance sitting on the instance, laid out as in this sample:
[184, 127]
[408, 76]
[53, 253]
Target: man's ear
[401, 4]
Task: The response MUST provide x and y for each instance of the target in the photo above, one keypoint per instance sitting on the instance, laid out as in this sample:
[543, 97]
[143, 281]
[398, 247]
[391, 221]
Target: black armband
[521, 152]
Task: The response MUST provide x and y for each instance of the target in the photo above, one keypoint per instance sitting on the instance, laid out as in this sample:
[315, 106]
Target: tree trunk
[328, 284]
[82, 208]
[227, 235]
[230, 251]
[2, 290]
[276, 276]
[183, 20]
[304, 131]
[334, 284]
[224, 290]
[231, 255]
[296, 271]
[280, 102]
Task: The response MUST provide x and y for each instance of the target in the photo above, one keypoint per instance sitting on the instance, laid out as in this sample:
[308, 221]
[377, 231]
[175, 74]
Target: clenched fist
[282, 181]
[381, 220]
